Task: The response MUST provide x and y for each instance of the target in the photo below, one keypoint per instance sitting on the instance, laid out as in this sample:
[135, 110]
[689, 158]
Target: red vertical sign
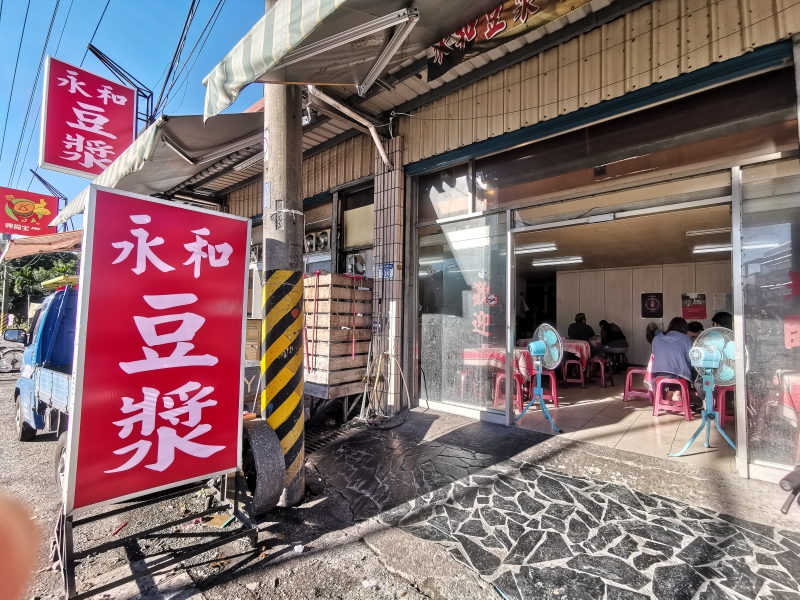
[87, 120]
[160, 354]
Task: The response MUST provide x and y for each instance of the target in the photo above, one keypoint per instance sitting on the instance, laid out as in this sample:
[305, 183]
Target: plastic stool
[634, 392]
[720, 393]
[499, 384]
[552, 394]
[602, 364]
[565, 372]
[659, 403]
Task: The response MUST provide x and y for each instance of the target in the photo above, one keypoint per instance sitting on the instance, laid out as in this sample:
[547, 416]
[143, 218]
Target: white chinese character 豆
[143, 248]
[188, 325]
[105, 94]
[168, 438]
[72, 81]
[90, 118]
[93, 152]
[198, 253]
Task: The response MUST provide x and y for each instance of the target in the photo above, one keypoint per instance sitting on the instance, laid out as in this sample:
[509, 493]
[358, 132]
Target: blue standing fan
[547, 352]
[713, 355]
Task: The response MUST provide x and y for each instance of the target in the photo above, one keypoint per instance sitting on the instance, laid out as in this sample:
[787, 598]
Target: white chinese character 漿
[188, 325]
[198, 250]
[143, 248]
[168, 438]
[93, 152]
[74, 85]
[105, 94]
[90, 118]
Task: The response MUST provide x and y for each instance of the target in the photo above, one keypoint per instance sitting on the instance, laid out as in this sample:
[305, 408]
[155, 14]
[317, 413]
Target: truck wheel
[61, 463]
[263, 465]
[25, 433]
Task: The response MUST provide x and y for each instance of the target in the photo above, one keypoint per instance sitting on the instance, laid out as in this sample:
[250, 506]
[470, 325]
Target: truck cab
[42, 392]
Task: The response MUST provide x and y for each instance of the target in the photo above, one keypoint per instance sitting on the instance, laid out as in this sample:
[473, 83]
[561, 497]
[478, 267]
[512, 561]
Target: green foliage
[27, 274]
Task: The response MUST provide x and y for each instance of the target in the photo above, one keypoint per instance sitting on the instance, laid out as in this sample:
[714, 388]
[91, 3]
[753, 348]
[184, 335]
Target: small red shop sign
[159, 365]
[87, 120]
[26, 213]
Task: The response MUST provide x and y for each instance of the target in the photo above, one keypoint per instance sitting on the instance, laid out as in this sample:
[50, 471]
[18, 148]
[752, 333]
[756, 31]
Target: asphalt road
[333, 560]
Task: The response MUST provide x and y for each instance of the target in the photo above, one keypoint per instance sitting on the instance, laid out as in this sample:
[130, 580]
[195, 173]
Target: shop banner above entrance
[87, 120]
[26, 213]
[159, 364]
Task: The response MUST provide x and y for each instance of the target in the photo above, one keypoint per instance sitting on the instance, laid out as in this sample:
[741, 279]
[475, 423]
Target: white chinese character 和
[72, 81]
[90, 118]
[143, 248]
[105, 94]
[189, 324]
[198, 253]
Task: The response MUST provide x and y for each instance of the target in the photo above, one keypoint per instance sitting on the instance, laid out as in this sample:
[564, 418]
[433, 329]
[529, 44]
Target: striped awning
[128, 162]
[283, 27]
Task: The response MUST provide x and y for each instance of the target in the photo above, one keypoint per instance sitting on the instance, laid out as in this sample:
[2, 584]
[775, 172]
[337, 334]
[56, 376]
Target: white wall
[615, 295]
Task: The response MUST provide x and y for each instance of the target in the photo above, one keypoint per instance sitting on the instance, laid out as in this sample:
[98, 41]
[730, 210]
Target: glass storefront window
[462, 287]
[771, 278]
[444, 194]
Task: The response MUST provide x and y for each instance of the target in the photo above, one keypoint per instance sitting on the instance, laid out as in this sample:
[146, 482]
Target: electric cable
[33, 92]
[177, 55]
[14, 79]
[94, 33]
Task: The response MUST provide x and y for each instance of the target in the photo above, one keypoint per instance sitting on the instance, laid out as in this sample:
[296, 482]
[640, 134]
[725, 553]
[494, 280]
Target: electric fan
[713, 354]
[547, 352]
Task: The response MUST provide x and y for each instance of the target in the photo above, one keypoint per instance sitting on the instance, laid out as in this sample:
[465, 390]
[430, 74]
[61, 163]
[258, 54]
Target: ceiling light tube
[708, 231]
[711, 248]
[562, 260]
[534, 248]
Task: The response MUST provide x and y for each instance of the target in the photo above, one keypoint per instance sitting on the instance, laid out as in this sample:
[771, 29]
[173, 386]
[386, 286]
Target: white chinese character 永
[105, 94]
[93, 152]
[189, 324]
[74, 85]
[143, 248]
[198, 253]
[90, 118]
[168, 439]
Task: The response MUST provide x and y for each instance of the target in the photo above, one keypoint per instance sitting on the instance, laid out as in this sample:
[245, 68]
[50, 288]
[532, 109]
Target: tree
[27, 274]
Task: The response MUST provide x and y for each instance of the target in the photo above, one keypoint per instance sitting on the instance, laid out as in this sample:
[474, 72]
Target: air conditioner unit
[355, 264]
[323, 240]
[311, 241]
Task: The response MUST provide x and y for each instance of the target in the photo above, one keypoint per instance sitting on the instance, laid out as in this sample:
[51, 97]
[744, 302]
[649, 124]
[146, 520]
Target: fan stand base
[707, 416]
[538, 392]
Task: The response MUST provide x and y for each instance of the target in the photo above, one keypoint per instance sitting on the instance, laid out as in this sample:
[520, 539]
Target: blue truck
[43, 392]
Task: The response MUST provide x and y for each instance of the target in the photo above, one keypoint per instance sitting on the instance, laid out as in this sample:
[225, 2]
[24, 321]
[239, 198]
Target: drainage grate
[319, 436]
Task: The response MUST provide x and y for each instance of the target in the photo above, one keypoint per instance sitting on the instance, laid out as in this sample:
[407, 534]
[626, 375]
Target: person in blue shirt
[671, 353]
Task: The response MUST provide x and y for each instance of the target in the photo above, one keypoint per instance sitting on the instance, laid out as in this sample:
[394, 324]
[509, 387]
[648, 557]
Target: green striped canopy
[285, 25]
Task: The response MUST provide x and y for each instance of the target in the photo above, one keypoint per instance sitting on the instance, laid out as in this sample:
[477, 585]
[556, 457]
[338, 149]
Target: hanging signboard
[87, 120]
[159, 367]
[693, 306]
[26, 213]
[653, 305]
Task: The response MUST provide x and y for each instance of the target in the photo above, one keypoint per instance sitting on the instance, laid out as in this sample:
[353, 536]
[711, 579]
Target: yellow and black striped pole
[282, 373]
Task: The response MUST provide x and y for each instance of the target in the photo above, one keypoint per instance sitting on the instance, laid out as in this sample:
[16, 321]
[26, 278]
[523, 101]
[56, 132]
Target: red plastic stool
[719, 401]
[659, 403]
[634, 392]
[565, 373]
[552, 394]
[499, 384]
[602, 364]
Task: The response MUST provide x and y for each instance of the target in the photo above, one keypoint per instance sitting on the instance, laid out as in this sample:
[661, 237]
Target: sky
[140, 35]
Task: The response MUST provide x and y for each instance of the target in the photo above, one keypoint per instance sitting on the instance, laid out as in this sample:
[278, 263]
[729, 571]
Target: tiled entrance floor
[599, 416]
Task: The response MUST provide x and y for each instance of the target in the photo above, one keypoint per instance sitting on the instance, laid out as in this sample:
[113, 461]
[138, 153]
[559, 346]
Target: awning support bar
[314, 91]
[400, 35]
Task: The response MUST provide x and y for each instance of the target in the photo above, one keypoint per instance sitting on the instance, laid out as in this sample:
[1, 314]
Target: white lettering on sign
[217, 255]
[143, 248]
[90, 118]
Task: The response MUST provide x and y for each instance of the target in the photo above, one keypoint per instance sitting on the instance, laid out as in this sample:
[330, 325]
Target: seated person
[611, 334]
[695, 329]
[580, 330]
[723, 319]
[671, 355]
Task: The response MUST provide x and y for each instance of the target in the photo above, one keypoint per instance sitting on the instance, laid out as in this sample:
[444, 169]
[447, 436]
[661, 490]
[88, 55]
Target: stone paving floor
[532, 531]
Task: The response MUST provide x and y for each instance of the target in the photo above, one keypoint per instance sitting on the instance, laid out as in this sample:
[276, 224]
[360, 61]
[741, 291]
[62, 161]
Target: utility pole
[283, 235]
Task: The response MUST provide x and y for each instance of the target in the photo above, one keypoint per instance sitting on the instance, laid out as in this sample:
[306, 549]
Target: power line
[33, 92]
[177, 55]
[14, 79]
[103, 14]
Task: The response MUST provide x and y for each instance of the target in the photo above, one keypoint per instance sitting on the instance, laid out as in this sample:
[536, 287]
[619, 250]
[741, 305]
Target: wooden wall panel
[644, 280]
[452, 121]
[618, 299]
[529, 92]
[640, 34]
[548, 84]
[568, 288]
[480, 104]
[666, 40]
[677, 279]
[495, 99]
[728, 16]
[511, 100]
[592, 297]
[591, 75]
[440, 126]
[569, 76]
[466, 126]
[762, 22]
